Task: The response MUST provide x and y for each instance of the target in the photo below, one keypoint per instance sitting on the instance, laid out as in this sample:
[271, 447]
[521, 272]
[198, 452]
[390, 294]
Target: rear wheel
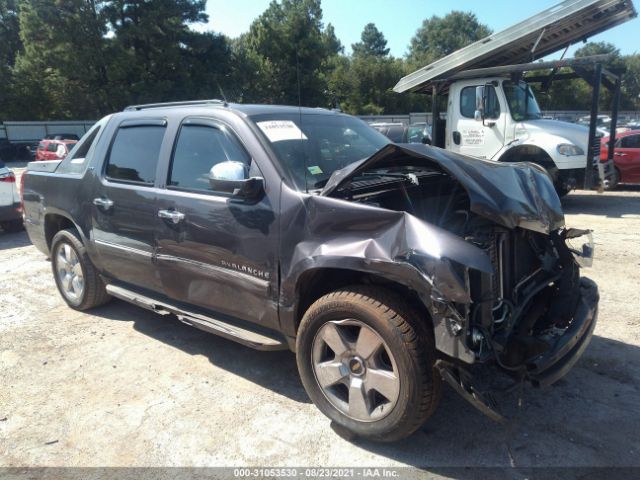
[366, 361]
[76, 278]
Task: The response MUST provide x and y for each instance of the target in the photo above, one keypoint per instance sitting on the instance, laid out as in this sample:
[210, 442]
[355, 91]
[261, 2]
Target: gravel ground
[120, 386]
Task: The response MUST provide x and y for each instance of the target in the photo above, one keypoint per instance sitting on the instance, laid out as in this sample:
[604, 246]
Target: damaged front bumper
[546, 369]
[568, 347]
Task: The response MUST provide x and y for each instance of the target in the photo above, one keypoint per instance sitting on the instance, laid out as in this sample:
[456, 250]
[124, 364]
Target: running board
[236, 333]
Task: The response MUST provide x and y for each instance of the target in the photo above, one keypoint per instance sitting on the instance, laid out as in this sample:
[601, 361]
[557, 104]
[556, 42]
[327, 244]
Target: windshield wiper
[411, 177]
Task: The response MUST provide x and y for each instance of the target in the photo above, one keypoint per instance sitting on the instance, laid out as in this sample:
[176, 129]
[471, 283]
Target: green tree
[440, 36]
[10, 46]
[363, 85]
[62, 70]
[372, 42]
[293, 51]
[156, 57]
[631, 83]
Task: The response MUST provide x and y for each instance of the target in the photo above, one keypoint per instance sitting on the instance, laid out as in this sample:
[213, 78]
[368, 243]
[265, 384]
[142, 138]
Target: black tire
[409, 340]
[12, 226]
[93, 292]
[561, 189]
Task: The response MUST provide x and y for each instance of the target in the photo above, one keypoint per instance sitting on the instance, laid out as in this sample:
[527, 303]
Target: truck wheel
[561, 189]
[76, 277]
[12, 226]
[366, 361]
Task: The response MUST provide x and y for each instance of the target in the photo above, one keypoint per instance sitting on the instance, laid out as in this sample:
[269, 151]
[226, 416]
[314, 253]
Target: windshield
[522, 102]
[310, 147]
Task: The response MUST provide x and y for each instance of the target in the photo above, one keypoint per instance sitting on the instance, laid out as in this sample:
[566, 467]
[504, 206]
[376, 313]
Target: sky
[399, 19]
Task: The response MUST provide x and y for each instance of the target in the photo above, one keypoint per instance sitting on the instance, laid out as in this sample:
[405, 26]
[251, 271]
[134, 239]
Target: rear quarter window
[134, 154]
[78, 158]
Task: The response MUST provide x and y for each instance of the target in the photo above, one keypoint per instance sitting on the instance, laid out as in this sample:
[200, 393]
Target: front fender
[393, 245]
[548, 143]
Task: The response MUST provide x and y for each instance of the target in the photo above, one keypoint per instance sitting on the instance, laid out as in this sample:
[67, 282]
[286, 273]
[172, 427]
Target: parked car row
[419, 132]
[54, 146]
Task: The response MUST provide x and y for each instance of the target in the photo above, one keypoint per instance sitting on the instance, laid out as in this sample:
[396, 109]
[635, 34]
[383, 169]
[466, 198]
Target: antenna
[222, 93]
[304, 155]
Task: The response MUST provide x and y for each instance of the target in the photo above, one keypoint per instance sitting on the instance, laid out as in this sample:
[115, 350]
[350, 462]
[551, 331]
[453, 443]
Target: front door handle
[456, 137]
[173, 215]
[103, 203]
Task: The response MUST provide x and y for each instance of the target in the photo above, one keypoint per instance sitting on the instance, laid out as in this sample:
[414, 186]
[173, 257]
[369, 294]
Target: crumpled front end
[516, 298]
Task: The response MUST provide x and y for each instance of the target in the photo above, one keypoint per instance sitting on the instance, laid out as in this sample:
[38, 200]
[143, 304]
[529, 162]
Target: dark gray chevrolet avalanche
[385, 267]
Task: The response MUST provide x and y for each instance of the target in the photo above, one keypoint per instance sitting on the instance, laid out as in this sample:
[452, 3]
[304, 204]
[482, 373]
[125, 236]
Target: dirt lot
[120, 386]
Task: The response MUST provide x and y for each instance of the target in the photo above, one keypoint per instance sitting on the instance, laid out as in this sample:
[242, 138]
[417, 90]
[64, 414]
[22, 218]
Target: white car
[10, 208]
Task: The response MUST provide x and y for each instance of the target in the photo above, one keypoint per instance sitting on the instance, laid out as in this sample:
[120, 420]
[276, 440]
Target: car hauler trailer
[492, 112]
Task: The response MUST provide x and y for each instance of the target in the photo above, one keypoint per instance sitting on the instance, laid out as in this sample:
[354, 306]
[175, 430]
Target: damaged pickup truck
[385, 267]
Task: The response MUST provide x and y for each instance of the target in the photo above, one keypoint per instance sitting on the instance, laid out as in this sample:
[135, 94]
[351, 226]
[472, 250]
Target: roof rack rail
[175, 104]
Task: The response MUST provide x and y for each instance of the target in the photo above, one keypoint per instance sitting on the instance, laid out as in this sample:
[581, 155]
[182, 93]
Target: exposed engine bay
[515, 314]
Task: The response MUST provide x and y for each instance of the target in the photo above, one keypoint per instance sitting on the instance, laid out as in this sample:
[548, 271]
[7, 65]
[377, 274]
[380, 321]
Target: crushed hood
[510, 194]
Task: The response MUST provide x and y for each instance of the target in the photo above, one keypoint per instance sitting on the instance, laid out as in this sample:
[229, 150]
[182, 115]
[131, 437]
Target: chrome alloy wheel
[355, 370]
[69, 272]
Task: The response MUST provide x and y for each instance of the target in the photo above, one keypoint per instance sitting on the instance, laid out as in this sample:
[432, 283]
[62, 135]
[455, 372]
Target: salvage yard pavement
[121, 386]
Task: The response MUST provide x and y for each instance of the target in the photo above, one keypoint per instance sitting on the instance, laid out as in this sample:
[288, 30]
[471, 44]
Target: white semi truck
[491, 110]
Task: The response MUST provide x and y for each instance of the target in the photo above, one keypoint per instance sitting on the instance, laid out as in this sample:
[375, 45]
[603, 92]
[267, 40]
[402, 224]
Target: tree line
[72, 59]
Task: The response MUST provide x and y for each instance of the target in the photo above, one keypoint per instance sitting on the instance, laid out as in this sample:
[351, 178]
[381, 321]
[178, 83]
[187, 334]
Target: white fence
[32, 132]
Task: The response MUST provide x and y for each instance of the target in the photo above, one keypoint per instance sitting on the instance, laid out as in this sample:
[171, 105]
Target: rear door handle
[173, 215]
[103, 202]
[620, 154]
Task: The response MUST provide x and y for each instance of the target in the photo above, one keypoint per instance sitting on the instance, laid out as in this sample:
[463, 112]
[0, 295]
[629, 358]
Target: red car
[626, 157]
[54, 149]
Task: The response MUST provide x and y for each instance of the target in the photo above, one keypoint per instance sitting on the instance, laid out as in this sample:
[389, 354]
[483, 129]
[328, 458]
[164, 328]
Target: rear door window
[133, 156]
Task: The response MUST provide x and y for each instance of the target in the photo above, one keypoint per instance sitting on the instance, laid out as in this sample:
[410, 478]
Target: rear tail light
[21, 192]
[8, 177]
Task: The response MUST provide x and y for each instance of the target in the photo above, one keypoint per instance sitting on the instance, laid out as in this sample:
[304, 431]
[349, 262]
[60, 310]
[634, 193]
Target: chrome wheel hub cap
[355, 370]
[69, 272]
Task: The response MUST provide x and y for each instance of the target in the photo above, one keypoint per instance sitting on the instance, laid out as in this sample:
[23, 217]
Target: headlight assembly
[569, 150]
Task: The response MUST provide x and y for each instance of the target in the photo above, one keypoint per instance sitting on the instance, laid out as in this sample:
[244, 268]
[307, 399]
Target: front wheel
[367, 362]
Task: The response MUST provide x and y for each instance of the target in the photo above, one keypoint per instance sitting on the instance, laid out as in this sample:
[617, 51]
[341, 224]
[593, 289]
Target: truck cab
[497, 118]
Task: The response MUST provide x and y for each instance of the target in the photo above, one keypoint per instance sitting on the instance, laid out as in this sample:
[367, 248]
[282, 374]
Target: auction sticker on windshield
[278, 130]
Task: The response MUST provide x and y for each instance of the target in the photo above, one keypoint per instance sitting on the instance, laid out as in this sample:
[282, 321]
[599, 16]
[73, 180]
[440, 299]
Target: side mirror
[478, 115]
[231, 177]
